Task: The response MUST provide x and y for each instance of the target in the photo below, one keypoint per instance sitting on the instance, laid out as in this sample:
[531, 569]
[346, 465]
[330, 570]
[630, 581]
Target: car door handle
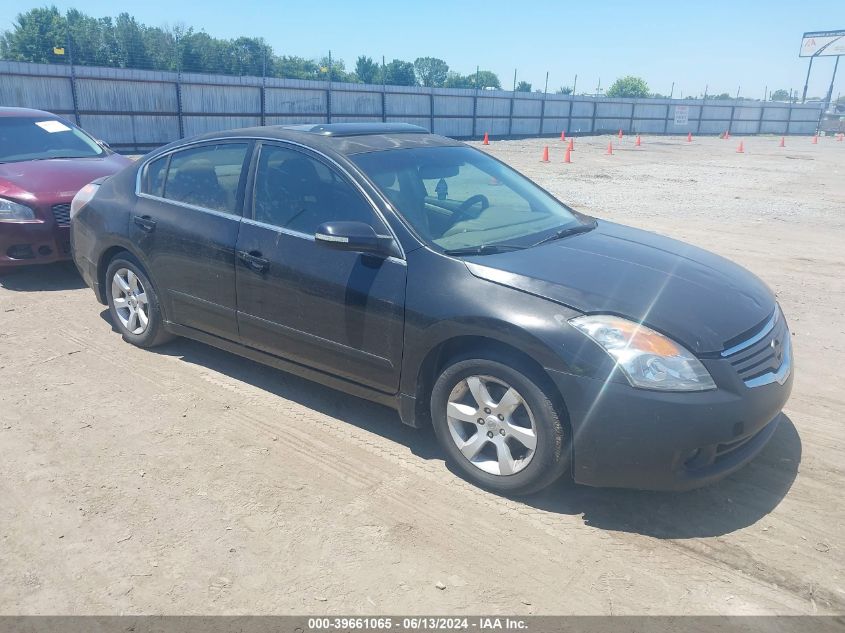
[254, 261]
[146, 223]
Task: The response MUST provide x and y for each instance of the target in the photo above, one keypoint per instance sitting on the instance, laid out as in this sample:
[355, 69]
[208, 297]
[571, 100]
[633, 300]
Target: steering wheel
[462, 212]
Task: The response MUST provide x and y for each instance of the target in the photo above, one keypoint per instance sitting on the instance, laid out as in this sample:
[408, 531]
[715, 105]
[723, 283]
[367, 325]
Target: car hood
[698, 298]
[59, 177]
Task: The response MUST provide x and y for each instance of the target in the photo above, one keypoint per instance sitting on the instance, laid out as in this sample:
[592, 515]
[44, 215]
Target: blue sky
[720, 44]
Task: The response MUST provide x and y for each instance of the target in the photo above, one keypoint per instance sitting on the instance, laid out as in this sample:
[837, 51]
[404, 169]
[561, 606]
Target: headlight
[82, 198]
[12, 211]
[648, 359]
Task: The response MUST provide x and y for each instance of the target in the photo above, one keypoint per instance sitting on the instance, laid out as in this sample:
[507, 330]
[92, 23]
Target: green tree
[722, 97]
[779, 95]
[431, 71]
[399, 73]
[457, 80]
[367, 70]
[628, 86]
[523, 86]
[564, 90]
[487, 79]
[33, 36]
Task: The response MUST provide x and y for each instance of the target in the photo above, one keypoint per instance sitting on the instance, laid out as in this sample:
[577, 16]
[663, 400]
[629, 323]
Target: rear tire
[133, 303]
[499, 426]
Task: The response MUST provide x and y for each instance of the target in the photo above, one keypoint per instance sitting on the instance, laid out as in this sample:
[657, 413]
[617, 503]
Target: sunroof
[358, 129]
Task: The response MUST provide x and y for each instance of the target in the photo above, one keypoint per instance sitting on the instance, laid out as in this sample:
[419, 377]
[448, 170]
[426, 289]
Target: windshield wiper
[484, 249]
[572, 230]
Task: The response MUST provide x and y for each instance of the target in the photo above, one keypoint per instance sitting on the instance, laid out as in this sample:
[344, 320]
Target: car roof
[343, 138]
[26, 112]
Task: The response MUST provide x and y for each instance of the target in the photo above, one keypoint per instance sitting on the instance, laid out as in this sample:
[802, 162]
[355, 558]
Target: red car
[44, 161]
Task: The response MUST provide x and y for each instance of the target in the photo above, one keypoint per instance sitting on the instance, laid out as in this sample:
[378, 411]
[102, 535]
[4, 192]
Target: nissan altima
[416, 271]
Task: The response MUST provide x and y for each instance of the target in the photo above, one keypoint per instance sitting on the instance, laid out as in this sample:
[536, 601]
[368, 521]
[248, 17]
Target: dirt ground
[186, 480]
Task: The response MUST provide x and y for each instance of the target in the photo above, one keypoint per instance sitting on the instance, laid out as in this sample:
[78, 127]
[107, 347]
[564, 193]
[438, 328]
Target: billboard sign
[823, 44]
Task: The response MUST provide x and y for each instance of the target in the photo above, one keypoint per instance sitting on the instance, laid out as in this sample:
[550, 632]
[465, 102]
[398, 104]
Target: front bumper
[635, 438]
[34, 242]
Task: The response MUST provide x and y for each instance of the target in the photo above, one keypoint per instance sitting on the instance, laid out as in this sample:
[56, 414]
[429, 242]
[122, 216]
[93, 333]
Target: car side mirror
[358, 237]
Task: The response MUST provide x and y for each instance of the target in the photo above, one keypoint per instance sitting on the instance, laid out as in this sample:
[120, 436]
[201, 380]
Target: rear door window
[207, 176]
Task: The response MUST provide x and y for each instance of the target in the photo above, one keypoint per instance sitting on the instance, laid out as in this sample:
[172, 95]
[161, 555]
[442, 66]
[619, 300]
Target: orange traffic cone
[545, 154]
[841, 136]
[727, 135]
[639, 142]
[689, 137]
[563, 135]
[486, 139]
[740, 149]
[620, 133]
[816, 139]
[567, 158]
[782, 142]
[571, 147]
[610, 149]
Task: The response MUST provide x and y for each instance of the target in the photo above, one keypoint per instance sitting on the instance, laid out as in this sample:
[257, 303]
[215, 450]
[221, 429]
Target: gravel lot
[187, 480]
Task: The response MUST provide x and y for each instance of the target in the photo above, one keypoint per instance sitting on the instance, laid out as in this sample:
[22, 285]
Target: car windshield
[460, 198]
[29, 138]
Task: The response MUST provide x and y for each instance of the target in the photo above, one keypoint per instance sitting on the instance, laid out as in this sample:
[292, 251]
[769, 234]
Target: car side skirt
[328, 380]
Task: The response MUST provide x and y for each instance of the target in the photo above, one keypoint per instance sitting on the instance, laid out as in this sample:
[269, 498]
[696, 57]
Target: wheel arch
[462, 346]
[105, 259]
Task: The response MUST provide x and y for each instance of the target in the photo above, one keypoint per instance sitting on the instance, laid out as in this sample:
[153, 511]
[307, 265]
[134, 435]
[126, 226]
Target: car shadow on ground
[45, 277]
[738, 501]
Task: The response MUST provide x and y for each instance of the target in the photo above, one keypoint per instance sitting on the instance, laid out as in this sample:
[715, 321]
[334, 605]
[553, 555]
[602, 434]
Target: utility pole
[672, 90]
[737, 91]
[514, 79]
[574, 83]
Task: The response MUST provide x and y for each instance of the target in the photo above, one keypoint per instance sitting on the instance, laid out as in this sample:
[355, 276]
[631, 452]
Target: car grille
[61, 212]
[766, 356]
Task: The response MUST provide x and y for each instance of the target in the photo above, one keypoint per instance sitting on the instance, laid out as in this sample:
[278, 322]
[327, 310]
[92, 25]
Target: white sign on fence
[681, 115]
[823, 44]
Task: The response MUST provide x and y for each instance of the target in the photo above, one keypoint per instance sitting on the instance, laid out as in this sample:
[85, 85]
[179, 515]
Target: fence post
[700, 115]
[631, 124]
[329, 104]
[666, 120]
[510, 114]
[542, 112]
[731, 122]
[383, 103]
[179, 105]
[431, 110]
[475, 114]
[760, 120]
[569, 117]
[593, 123]
[788, 117]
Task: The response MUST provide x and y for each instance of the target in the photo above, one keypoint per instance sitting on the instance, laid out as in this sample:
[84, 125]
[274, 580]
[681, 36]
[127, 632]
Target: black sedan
[416, 271]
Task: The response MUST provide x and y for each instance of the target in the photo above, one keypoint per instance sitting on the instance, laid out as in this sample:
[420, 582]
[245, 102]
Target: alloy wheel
[492, 425]
[130, 301]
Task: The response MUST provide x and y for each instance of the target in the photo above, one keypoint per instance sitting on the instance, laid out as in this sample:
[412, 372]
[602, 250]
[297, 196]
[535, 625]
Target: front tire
[499, 426]
[133, 303]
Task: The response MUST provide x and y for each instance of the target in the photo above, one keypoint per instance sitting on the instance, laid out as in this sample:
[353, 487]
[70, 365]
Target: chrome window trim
[263, 139]
[770, 325]
[193, 207]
